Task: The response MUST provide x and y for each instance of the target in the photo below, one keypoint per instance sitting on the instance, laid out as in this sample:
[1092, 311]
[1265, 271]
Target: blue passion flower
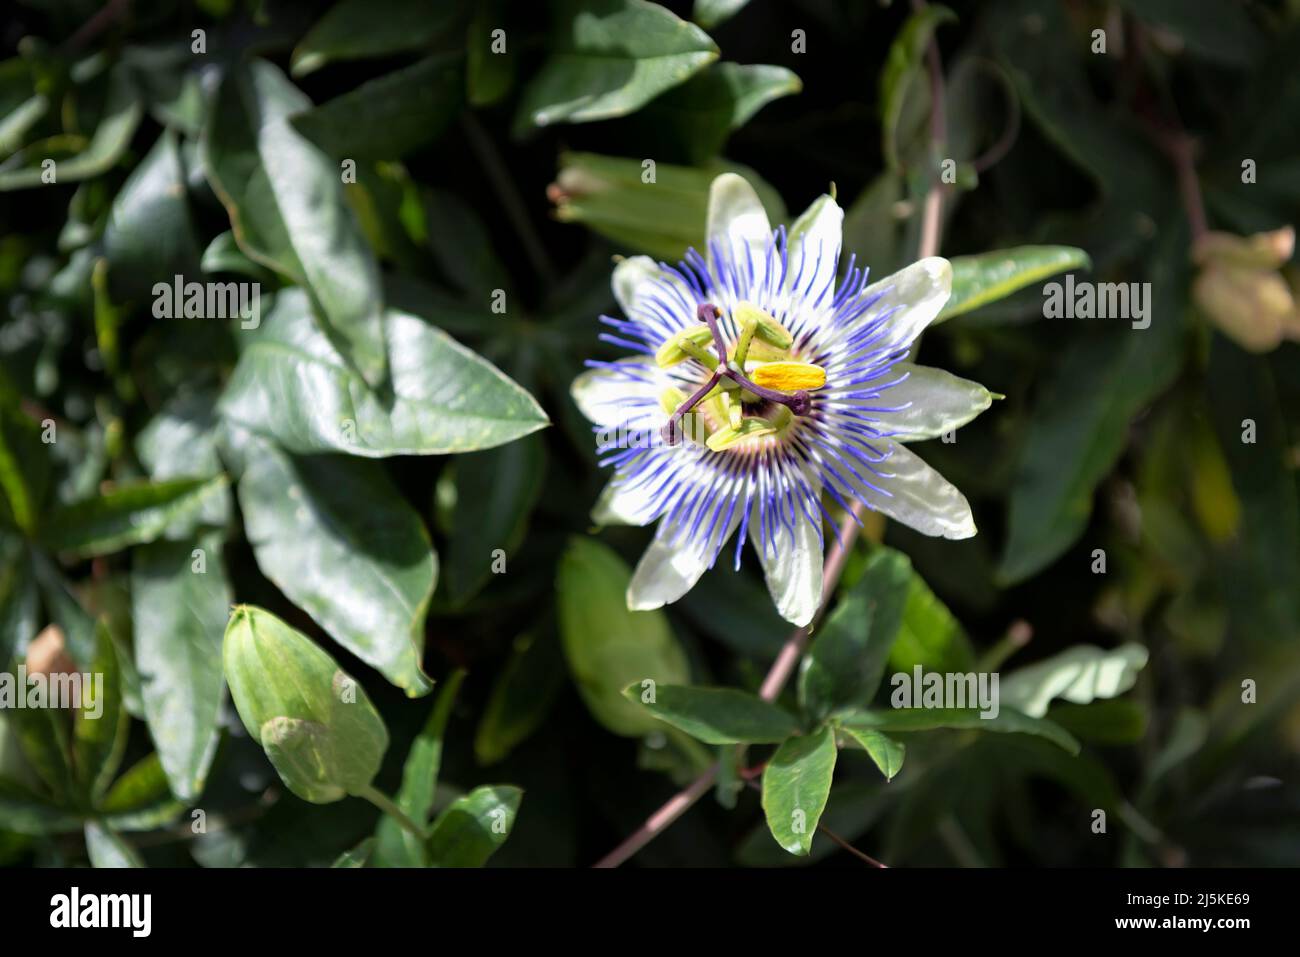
[762, 378]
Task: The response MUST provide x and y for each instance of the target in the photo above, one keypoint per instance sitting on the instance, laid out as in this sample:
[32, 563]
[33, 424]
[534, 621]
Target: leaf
[884, 751]
[394, 845]
[1118, 721]
[150, 234]
[364, 29]
[180, 610]
[929, 636]
[130, 514]
[709, 13]
[661, 218]
[107, 849]
[1007, 721]
[336, 536]
[291, 385]
[902, 66]
[18, 599]
[716, 715]
[100, 723]
[391, 116]
[988, 277]
[1220, 32]
[139, 799]
[224, 255]
[606, 645]
[26, 812]
[847, 658]
[472, 827]
[24, 468]
[286, 207]
[495, 492]
[1080, 674]
[180, 441]
[520, 698]
[358, 856]
[122, 112]
[703, 111]
[489, 74]
[608, 58]
[796, 785]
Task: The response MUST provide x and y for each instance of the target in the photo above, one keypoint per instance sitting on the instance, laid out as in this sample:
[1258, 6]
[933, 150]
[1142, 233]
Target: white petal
[738, 224]
[918, 495]
[624, 503]
[929, 401]
[668, 569]
[919, 291]
[814, 246]
[794, 569]
[614, 397]
[653, 296]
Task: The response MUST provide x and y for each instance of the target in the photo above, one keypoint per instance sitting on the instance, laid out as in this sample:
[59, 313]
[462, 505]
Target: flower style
[760, 382]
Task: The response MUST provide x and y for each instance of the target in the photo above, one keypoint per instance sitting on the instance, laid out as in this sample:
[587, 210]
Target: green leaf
[699, 115]
[315, 723]
[609, 58]
[130, 514]
[150, 234]
[709, 13]
[224, 255]
[18, 598]
[847, 658]
[358, 856]
[180, 441]
[286, 207]
[489, 74]
[988, 277]
[1220, 32]
[1080, 674]
[471, 828]
[606, 645]
[391, 116]
[26, 812]
[495, 492]
[1118, 721]
[180, 601]
[661, 218]
[715, 715]
[336, 536]
[796, 784]
[930, 635]
[1007, 721]
[884, 750]
[139, 799]
[902, 67]
[364, 29]
[291, 385]
[394, 845]
[122, 112]
[520, 698]
[100, 724]
[107, 848]
[24, 468]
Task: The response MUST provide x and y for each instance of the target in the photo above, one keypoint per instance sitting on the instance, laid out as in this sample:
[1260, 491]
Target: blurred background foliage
[403, 194]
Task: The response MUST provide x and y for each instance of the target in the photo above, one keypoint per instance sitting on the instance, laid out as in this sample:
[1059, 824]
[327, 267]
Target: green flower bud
[315, 723]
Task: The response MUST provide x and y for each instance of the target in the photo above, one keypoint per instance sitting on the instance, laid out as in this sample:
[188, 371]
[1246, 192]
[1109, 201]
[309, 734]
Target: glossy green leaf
[335, 535]
[107, 848]
[180, 601]
[847, 658]
[607, 646]
[988, 277]
[472, 827]
[180, 441]
[394, 845]
[391, 116]
[100, 723]
[796, 785]
[901, 69]
[495, 493]
[364, 29]
[520, 698]
[884, 751]
[608, 58]
[223, 255]
[286, 207]
[358, 856]
[139, 800]
[130, 514]
[709, 13]
[318, 728]
[930, 635]
[1080, 674]
[150, 234]
[24, 468]
[1007, 721]
[290, 384]
[18, 598]
[715, 715]
[661, 218]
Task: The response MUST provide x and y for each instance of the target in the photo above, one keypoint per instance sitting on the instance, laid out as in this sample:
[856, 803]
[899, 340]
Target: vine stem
[386, 804]
[788, 657]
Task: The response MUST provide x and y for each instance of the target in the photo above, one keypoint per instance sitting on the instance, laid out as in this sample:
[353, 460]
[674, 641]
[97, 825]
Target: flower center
[737, 405]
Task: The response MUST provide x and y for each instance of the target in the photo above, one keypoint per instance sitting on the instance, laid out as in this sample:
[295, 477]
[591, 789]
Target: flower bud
[315, 723]
[1254, 307]
[1260, 251]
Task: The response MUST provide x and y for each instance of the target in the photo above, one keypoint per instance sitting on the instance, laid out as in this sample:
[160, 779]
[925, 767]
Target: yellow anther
[789, 376]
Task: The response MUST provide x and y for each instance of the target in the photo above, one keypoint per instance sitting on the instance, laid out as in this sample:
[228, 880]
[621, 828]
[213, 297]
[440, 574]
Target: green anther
[749, 428]
[687, 344]
[765, 327]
